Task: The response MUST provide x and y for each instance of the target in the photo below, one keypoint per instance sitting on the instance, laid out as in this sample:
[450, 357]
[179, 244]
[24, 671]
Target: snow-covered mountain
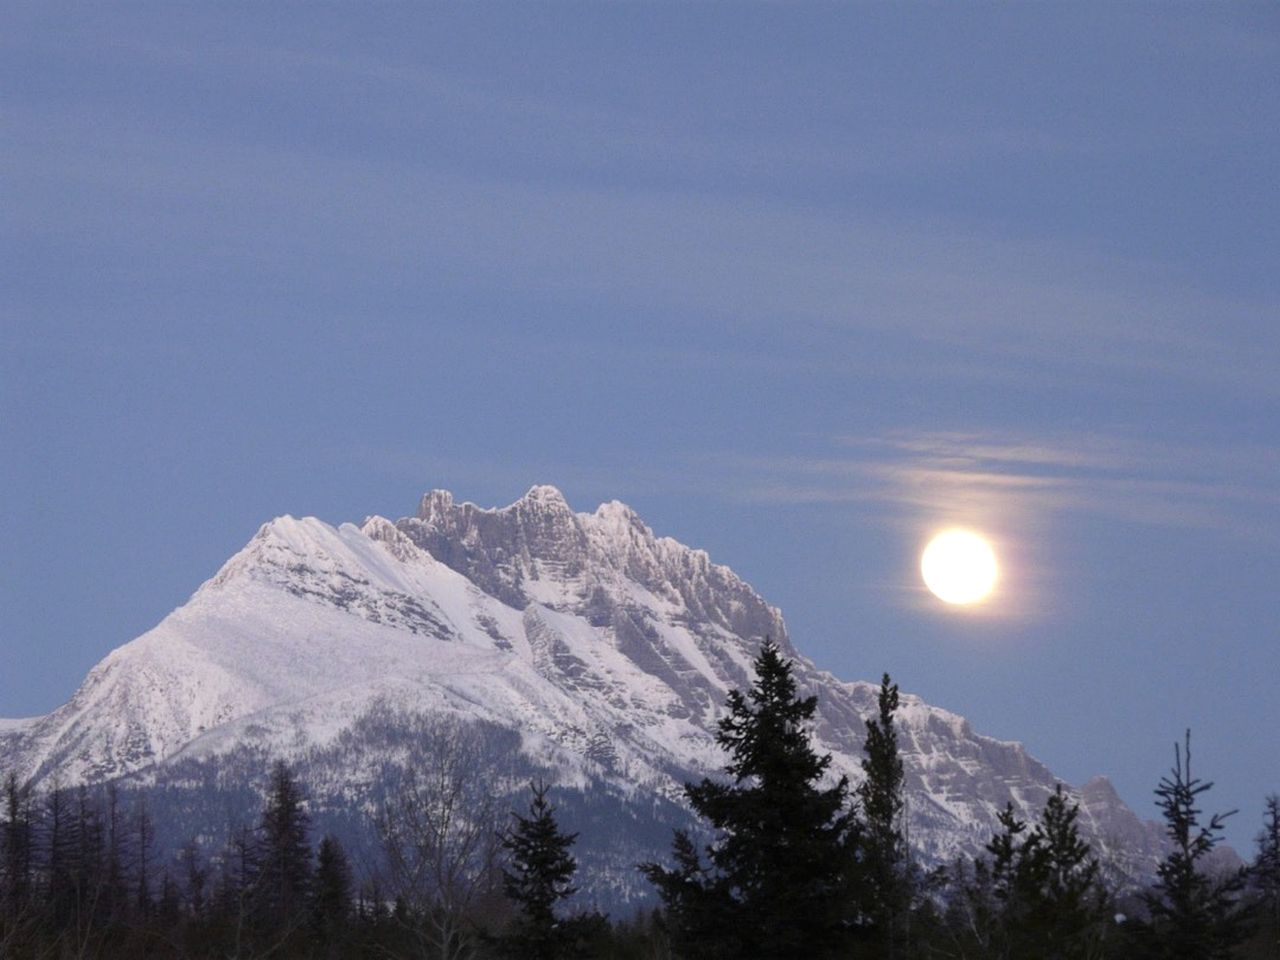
[607, 650]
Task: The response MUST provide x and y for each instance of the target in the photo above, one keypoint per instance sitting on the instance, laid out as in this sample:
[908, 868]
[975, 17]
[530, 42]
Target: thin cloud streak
[946, 294]
[950, 476]
[1025, 494]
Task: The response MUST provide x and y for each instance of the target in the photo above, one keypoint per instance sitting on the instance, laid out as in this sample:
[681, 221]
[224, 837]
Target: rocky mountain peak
[435, 504]
[546, 495]
[609, 650]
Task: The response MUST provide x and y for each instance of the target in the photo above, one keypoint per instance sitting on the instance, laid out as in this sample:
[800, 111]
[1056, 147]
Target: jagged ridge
[608, 649]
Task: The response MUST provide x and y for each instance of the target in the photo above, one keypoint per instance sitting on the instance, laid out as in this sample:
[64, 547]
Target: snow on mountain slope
[608, 649]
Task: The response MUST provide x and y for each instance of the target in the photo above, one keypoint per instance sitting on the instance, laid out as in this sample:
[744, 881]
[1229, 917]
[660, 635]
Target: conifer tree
[1038, 894]
[1072, 903]
[240, 866]
[331, 898]
[1265, 872]
[1194, 915]
[1017, 871]
[884, 848]
[284, 862]
[540, 876]
[776, 883]
[699, 903]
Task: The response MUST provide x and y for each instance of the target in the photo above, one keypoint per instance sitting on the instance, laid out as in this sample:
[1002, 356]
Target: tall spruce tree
[1072, 904]
[884, 849]
[1194, 915]
[776, 882]
[539, 877]
[1016, 871]
[283, 882]
[331, 899]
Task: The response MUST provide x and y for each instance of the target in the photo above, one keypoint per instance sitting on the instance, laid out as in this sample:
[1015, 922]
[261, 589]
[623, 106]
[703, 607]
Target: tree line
[786, 862]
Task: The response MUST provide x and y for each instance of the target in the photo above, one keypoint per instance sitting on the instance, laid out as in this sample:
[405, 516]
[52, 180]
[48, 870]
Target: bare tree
[439, 830]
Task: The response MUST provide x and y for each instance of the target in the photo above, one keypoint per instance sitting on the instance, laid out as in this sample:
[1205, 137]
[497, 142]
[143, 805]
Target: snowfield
[607, 650]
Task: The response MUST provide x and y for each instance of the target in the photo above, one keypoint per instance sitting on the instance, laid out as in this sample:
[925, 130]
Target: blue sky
[800, 283]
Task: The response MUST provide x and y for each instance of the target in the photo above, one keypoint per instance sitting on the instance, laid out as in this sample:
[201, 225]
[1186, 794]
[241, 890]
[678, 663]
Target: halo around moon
[959, 567]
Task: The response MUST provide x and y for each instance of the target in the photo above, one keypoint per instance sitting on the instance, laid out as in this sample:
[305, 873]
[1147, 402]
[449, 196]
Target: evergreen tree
[331, 898]
[1072, 903]
[1017, 871]
[699, 903]
[1266, 873]
[1194, 915]
[540, 877]
[779, 865]
[884, 848]
[1038, 894]
[284, 861]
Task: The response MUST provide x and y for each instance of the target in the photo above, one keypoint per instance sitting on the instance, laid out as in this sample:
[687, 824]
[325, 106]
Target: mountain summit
[608, 652]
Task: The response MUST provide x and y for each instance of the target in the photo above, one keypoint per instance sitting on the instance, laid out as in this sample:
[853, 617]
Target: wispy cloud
[987, 478]
[953, 298]
[1024, 492]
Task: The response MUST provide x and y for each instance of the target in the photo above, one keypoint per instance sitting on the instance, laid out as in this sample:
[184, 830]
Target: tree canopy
[775, 880]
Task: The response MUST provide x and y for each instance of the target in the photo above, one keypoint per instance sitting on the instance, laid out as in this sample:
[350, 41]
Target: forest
[787, 862]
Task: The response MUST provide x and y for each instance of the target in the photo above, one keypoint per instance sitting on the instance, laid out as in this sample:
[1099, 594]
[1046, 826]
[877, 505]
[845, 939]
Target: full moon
[959, 567]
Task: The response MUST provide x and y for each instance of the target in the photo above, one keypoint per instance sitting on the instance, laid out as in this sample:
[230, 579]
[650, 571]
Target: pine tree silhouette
[1194, 915]
[1072, 904]
[283, 881]
[539, 877]
[331, 899]
[884, 848]
[776, 882]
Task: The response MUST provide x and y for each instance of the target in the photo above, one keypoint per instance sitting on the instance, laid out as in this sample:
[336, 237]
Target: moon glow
[959, 567]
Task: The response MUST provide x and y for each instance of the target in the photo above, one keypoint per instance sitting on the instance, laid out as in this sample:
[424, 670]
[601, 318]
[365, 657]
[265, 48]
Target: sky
[801, 283]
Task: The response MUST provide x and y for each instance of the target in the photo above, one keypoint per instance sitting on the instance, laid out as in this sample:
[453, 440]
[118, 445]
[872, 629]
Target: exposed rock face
[607, 649]
[609, 570]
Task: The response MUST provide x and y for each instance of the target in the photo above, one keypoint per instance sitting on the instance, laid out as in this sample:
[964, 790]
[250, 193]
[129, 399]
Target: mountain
[601, 652]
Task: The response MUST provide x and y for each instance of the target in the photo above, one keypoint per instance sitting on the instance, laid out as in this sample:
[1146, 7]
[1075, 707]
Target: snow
[307, 626]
